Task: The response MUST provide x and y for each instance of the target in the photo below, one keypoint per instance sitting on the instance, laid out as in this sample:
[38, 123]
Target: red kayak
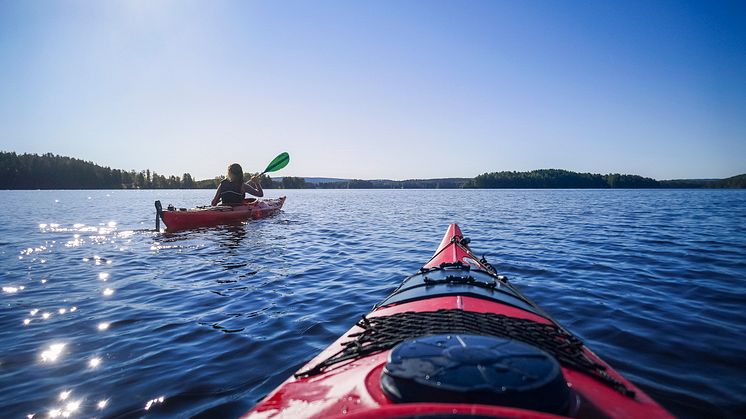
[457, 340]
[183, 218]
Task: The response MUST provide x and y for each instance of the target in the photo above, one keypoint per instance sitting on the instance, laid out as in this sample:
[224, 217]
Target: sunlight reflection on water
[53, 352]
[94, 362]
[158, 323]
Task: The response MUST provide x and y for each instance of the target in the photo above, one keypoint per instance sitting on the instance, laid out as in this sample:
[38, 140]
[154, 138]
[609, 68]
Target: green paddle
[278, 163]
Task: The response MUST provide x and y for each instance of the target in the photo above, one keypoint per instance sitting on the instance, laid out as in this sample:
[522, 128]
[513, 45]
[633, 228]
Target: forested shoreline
[49, 171]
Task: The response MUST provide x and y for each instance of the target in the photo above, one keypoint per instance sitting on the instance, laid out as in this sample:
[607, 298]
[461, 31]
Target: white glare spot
[10, 290]
[43, 281]
[34, 311]
[62, 310]
[26, 322]
[65, 394]
[54, 351]
[108, 262]
[55, 413]
[85, 259]
[42, 225]
[112, 224]
[108, 292]
[150, 403]
[103, 326]
[78, 225]
[73, 309]
[72, 406]
[56, 200]
[46, 315]
[94, 362]
[103, 276]
[101, 404]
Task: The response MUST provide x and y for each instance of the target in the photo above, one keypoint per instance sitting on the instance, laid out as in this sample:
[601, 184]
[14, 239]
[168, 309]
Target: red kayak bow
[457, 340]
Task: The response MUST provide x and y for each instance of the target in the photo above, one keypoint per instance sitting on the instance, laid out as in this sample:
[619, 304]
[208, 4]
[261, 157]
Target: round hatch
[475, 369]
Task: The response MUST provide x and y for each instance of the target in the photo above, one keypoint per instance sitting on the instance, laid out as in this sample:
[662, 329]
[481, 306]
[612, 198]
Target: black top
[436, 282]
[231, 192]
[463, 368]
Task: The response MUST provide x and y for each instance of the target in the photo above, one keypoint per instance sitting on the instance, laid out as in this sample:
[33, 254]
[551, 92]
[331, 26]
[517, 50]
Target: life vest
[231, 192]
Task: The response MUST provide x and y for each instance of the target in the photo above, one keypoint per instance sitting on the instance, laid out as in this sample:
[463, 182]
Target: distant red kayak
[183, 218]
[457, 340]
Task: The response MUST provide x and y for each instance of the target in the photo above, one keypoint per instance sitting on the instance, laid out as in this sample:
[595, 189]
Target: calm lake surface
[101, 316]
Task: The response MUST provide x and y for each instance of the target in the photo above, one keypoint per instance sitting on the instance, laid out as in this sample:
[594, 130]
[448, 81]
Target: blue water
[102, 317]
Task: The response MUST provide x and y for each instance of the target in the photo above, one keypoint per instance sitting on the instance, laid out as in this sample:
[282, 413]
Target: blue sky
[379, 89]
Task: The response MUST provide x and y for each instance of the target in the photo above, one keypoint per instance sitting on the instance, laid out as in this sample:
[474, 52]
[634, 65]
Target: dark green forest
[738, 181]
[555, 178]
[49, 171]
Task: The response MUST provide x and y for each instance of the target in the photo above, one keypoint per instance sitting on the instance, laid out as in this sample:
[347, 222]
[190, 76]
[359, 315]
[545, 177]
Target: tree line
[49, 171]
[300, 183]
[557, 178]
[535, 179]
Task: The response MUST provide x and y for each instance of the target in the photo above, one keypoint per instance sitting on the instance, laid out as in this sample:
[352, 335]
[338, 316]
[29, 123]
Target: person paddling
[232, 190]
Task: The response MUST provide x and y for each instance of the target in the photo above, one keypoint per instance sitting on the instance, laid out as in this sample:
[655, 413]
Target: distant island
[49, 171]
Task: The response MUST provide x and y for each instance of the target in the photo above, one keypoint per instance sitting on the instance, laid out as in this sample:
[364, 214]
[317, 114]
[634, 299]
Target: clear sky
[379, 89]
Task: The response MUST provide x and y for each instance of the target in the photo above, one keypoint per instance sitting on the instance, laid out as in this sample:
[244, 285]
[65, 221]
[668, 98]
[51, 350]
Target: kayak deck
[366, 373]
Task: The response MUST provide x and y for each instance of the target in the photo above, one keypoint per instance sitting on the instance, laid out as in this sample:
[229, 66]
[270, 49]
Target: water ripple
[102, 317]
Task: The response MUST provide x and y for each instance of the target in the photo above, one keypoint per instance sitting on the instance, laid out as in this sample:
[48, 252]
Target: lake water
[101, 316]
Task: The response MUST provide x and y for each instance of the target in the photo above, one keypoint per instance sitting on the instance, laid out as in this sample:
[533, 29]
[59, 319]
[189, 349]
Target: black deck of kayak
[458, 280]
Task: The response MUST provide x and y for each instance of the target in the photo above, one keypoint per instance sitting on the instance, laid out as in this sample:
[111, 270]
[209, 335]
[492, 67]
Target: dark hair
[237, 172]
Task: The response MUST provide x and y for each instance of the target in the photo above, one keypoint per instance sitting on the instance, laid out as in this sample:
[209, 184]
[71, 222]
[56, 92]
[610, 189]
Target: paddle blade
[278, 163]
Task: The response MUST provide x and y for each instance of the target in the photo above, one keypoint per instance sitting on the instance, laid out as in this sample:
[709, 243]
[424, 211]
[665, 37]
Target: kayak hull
[352, 388]
[177, 219]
